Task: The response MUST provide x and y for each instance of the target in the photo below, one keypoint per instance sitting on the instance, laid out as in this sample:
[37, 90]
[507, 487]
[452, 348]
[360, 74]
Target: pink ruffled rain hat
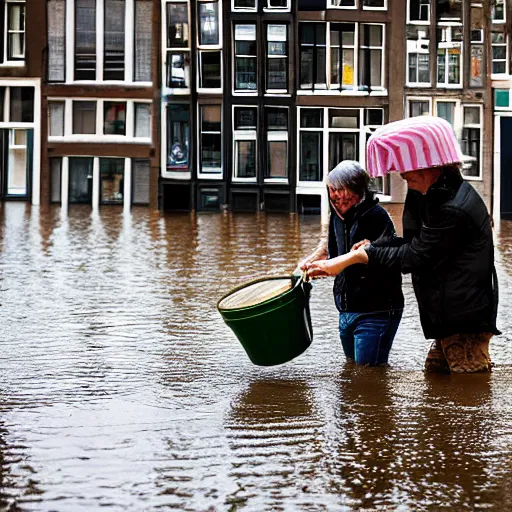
[412, 144]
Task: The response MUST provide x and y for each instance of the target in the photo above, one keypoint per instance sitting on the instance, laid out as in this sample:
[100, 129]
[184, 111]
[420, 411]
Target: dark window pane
[111, 180]
[113, 65]
[246, 158]
[210, 71]
[178, 137]
[177, 25]
[245, 118]
[419, 10]
[85, 40]
[276, 75]
[115, 118]
[209, 23]
[177, 70]
[2, 99]
[311, 118]
[245, 4]
[80, 180]
[22, 105]
[211, 151]
[310, 156]
[245, 73]
[373, 3]
[277, 119]
[343, 146]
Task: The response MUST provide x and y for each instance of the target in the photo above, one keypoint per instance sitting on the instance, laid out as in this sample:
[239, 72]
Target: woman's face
[343, 199]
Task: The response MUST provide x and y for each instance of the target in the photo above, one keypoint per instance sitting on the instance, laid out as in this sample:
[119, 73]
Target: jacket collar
[445, 188]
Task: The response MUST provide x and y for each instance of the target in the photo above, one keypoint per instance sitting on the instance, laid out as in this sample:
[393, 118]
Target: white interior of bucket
[256, 293]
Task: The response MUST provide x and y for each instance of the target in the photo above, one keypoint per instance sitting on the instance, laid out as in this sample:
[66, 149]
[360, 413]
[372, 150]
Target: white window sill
[209, 91]
[210, 176]
[277, 181]
[449, 86]
[384, 198]
[473, 178]
[276, 9]
[420, 23]
[322, 92]
[342, 8]
[244, 180]
[176, 175]
[175, 92]
[418, 85]
[275, 95]
[118, 139]
[500, 76]
[13, 64]
[245, 93]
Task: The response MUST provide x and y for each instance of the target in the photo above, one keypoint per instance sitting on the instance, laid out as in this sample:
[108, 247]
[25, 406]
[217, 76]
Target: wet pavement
[121, 388]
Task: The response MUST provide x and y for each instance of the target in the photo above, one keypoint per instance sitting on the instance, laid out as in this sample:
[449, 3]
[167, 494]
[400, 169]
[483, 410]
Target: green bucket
[276, 330]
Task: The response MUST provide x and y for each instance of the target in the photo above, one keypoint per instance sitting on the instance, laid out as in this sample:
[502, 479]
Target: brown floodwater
[121, 388]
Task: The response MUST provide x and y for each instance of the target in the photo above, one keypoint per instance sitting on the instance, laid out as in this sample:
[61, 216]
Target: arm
[320, 252]
[332, 267]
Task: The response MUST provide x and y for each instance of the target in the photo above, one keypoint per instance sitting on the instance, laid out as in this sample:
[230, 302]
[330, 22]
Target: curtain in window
[143, 40]
[142, 120]
[85, 40]
[56, 40]
[56, 177]
[80, 180]
[56, 112]
[140, 184]
[113, 67]
[16, 31]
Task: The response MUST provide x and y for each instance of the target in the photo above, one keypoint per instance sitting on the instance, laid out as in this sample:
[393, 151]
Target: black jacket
[448, 249]
[359, 289]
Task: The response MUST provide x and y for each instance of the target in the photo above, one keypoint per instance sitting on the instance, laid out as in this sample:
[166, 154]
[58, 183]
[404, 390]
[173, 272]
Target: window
[84, 117]
[209, 33]
[111, 180]
[55, 179]
[21, 104]
[371, 52]
[114, 122]
[418, 11]
[114, 35]
[210, 156]
[498, 11]
[477, 47]
[276, 123]
[178, 137]
[245, 129]
[56, 13]
[449, 57]
[178, 46]
[374, 4]
[245, 57]
[17, 163]
[140, 181]
[56, 111]
[446, 110]
[343, 144]
[356, 56]
[313, 49]
[449, 11]
[80, 180]
[472, 141]
[142, 120]
[210, 74]
[85, 40]
[143, 41]
[418, 61]
[418, 107]
[15, 33]
[283, 5]
[499, 53]
[277, 58]
[342, 55]
[311, 144]
[244, 5]
[343, 4]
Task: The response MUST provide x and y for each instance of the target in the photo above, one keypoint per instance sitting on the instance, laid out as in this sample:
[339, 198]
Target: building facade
[241, 104]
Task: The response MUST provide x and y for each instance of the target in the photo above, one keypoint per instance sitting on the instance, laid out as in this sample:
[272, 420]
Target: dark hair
[349, 174]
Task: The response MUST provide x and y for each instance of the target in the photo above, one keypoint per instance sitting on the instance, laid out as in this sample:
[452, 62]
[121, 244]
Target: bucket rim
[296, 281]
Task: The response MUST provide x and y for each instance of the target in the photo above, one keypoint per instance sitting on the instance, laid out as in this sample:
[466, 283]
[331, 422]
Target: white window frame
[242, 135]
[268, 7]
[457, 113]
[209, 90]
[446, 45]
[418, 22]
[19, 62]
[277, 57]
[331, 4]
[481, 128]
[166, 51]
[244, 9]
[413, 48]
[497, 76]
[129, 68]
[209, 175]
[174, 174]
[367, 8]
[408, 100]
[278, 136]
[496, 21]
[244, 92]
[331, 89]
[99, 136]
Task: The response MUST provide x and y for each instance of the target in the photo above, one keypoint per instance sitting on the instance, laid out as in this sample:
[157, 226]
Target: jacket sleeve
[429, 250]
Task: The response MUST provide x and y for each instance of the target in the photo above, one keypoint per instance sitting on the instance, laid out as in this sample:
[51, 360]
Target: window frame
[498, 21]
[235, 90]
[498, 76]
[342, 7]
[285, 57]
[209, 175]
[369, 8]
[447, 45]
[411, 51]
[16, 61]
[277, 136]
[409, 99]
[266, 7]
[244, 9]
[409, 21]
[244, 135]
[480, 126]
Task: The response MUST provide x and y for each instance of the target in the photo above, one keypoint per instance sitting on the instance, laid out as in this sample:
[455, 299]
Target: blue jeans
[367, 337]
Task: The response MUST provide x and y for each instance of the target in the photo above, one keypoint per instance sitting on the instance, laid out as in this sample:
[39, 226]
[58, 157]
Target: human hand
[320, 268]
[360, 244]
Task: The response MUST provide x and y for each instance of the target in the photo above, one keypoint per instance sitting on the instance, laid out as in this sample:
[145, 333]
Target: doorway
[506, 168]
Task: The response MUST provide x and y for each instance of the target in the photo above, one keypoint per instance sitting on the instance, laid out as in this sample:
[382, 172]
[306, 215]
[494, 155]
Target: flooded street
[122, 388]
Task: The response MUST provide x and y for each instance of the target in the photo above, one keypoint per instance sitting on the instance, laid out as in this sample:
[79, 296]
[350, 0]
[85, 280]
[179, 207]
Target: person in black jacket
[448, 248]
[370, 303]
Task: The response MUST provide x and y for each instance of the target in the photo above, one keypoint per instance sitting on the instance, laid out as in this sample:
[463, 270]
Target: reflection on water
[122, 388]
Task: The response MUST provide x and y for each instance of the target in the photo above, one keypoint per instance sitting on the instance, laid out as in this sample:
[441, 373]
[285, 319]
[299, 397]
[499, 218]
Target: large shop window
[211, 139]
[112, 180]
[80, 180]
[277, 58]
[245, 139]
[246, 61]
[356, 54]
[178, 137]
[311, 144]
[276, 124]
[12, 21]
[178, 46]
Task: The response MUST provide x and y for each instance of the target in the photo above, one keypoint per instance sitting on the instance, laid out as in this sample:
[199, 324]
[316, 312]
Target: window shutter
[56, 40]
[143, 40]
[113, 68]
